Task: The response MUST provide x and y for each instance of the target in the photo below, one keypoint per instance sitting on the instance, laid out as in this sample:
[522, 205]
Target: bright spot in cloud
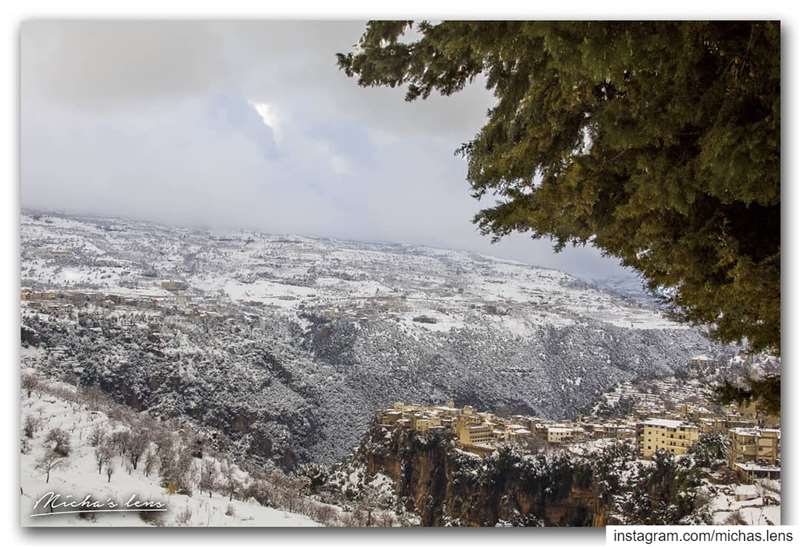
[268, 116]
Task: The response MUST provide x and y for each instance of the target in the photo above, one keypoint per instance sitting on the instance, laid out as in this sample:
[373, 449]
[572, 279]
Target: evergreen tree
[666, 492]
[657, 142]
[710, 448]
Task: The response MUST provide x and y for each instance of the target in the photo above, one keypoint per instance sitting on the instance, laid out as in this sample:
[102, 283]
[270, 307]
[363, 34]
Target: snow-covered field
[78, 476]
[295, 272]
[725, 507]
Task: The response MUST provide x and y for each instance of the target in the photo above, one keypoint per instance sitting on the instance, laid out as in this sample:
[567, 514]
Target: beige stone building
[755, 452]
[474, 433]
[559, 435]
[674, 436]
[423, 423]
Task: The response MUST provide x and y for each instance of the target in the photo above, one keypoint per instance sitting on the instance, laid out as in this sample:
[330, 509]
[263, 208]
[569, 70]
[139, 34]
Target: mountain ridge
[289, 344]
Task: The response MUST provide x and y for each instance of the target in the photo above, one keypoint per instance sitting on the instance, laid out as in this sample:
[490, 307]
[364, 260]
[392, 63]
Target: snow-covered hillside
[77, 475]
[291, 273]
[287, 345]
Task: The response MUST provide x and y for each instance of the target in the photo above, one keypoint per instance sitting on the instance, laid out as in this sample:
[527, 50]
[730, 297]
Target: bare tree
[28, 383]
[48, 462]
[208, 476]
[121, 441]
[97, 436]
[293, 492]
[103, 455]
[150, 462]
[138, 444]
[229, 483]
[183, 470]
[324, 514]
[31, 425]
[385, 519]
[93, 396]
[372, 499]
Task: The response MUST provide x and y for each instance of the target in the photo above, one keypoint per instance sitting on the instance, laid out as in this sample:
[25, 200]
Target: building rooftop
[659, 422]
[746, 490]
[751, 466]
[754, 431]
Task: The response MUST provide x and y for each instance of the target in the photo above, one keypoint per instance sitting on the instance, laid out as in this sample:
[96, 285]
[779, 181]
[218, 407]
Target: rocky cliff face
[447, 486]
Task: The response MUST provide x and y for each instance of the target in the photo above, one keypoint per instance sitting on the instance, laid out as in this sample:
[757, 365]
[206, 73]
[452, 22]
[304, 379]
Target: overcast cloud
[249, 125]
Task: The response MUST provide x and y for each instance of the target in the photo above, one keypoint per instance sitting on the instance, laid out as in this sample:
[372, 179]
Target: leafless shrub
[735, 519]
[208, 476]
[50, 461]
[93, 397]
[103, 454]
[324, 514]
[29, 382]
[152, 518]
[230, 485]
[87, 515]
[385, 519]
[138, 443]
[121, 441]
[97, 436]
[31, 425]
[150, 462]
[184, 517]
[349, 520]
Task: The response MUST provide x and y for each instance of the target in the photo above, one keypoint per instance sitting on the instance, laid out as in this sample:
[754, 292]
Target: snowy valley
[285, 346]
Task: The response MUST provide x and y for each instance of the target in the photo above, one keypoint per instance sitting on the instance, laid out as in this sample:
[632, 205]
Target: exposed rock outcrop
[447, 486]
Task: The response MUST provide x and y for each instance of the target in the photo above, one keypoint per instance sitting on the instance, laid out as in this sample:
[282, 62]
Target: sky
[250, 125]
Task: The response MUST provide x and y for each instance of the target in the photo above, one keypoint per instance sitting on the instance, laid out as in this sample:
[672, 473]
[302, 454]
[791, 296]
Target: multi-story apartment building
[474, 433]
[673, 436]
[423, 423]
[754, 452]
[558, 435]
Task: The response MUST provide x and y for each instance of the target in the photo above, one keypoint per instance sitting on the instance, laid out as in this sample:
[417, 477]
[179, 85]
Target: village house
[674, 436]
[559, 435]
[754, 452]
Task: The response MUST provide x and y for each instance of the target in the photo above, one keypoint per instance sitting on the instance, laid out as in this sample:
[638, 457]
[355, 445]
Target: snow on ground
[79, 477]
[289, 271]
[765, 509]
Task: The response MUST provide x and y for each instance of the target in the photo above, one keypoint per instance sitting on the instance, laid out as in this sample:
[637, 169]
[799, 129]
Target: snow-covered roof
[660, 422]
[754, 431]
[751, 466]
[746, 490]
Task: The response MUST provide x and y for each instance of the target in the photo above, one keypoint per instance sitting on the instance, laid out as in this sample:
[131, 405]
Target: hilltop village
[753, 436]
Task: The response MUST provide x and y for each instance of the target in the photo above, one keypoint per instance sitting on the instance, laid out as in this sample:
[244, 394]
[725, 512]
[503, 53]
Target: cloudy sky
[249, 125]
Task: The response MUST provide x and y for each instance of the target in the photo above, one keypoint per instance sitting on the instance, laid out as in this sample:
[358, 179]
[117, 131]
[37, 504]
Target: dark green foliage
[317, 475]
[609, 468]
[767, 391]
[657, 142]
[665, 493]
[710, 448]
[623, 407]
